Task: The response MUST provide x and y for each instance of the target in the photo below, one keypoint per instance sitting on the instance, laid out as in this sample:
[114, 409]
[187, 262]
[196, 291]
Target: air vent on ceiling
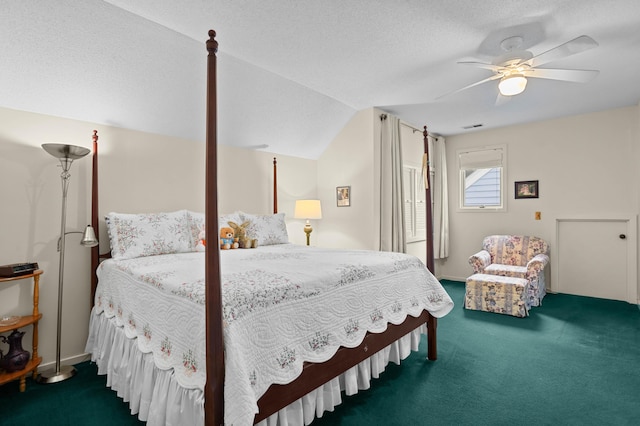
[472, 126]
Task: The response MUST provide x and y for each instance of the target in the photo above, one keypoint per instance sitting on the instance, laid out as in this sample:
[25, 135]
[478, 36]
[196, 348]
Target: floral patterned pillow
[267, 229]
[138, 235]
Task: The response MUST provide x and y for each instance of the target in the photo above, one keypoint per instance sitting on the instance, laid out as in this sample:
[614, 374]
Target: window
[482, 177]
[414, 205]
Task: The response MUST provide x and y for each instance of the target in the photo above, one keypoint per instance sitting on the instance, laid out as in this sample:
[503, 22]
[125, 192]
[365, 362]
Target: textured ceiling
[293, 72]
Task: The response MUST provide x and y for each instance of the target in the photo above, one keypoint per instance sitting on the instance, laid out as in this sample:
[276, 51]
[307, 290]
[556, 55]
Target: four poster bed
[288, 326]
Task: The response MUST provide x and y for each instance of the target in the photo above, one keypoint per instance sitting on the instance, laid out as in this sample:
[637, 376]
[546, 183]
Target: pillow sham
[148, 234]
[267, 229]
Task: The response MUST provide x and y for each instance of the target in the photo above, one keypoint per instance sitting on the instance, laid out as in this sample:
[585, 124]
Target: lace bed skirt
[157, 398]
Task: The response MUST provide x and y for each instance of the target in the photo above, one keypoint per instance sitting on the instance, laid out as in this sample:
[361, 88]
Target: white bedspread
[282, 305]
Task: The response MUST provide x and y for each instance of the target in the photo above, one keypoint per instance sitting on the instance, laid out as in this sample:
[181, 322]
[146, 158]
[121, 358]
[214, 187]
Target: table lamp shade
[308, 209]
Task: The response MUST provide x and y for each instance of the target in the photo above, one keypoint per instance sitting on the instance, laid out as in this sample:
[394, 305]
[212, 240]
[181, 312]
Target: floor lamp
[66, 154]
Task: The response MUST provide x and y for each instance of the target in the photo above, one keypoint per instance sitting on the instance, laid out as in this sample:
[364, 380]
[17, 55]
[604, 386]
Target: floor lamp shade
[308, 209]
[66, 154]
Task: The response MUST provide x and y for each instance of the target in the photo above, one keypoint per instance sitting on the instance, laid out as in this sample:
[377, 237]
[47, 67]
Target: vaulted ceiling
[293, 72]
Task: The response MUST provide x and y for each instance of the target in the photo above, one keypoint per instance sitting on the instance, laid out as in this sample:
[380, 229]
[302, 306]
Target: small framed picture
[527, 189]
[343, 195]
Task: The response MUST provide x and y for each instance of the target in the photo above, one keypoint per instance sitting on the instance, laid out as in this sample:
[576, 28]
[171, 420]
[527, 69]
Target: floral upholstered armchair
[519, 256]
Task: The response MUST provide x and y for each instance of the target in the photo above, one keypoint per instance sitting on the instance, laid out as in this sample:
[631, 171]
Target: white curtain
[392, 225]
[439, 196]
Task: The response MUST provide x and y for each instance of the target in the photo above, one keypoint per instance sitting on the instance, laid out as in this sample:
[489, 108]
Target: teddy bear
[227, 240]
[241, 235]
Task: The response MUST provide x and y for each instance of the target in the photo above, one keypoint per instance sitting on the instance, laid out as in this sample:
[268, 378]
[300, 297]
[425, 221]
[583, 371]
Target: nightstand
[23, 321]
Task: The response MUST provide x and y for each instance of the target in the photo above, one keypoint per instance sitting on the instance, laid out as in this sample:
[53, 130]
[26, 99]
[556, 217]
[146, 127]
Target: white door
[597, 258]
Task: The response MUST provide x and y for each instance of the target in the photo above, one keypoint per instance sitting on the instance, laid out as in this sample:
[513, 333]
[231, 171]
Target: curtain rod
[433, 135]
[411, 127]
[384, 117]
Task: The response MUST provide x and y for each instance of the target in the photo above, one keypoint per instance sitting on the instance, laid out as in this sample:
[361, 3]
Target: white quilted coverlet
[282, 305]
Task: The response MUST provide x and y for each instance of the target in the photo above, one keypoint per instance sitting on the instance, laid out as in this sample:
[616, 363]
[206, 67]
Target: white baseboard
[72, 360]
[451, 278]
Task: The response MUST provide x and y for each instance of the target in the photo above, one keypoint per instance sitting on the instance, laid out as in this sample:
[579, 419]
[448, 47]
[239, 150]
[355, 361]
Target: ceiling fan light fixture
[512, 84]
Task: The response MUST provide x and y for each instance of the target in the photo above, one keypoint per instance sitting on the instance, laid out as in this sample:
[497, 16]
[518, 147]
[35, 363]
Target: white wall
[349, 161]
[139, 172]
[246, 183]
[585, 165]
[353, 159]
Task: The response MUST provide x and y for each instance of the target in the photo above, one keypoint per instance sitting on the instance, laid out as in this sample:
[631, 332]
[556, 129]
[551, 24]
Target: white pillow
[268, 229]
[223, 221]
[150, 234]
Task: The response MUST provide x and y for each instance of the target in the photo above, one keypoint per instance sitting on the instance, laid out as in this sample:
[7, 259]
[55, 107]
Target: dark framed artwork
[527, 189]
[343, 196]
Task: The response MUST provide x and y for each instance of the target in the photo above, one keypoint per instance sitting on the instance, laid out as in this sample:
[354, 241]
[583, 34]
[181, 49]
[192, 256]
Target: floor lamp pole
[66, 154]
[70, 371]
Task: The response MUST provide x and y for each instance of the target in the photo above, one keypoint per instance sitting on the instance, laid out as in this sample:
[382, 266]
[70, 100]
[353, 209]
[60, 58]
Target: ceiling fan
[516, 65]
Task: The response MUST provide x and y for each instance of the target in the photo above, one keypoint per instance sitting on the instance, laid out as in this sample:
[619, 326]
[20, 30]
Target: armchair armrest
[480, 261]
[536, 265]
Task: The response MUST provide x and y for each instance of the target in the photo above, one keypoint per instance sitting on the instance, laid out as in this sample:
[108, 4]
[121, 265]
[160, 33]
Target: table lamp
[308, 209]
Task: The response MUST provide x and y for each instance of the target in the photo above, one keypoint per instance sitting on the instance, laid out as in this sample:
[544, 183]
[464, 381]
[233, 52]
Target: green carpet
[573, 361]
[82, 400]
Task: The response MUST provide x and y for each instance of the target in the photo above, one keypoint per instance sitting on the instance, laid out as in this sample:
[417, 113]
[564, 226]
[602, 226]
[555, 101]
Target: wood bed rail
[314, 375]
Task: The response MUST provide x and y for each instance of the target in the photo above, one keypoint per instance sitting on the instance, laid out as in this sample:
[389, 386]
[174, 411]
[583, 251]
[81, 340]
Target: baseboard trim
[72, 360]
[452, 278]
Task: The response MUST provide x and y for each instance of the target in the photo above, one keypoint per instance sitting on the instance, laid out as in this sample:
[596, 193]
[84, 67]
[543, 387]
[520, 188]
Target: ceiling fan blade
[491, 67]
[493, 77]
[578, 76]
[577, 45]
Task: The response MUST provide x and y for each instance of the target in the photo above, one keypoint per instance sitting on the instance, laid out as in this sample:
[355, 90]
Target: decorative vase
[17, 358]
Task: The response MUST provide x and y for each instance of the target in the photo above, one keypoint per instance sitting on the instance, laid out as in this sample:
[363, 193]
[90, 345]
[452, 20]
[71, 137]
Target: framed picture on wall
[527, 189]
[343, 196]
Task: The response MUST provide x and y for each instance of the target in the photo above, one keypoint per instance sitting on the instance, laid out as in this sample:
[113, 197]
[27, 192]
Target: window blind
[481, 159]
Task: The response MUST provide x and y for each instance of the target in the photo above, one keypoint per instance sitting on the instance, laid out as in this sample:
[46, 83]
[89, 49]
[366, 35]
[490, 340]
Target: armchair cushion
[506, 270]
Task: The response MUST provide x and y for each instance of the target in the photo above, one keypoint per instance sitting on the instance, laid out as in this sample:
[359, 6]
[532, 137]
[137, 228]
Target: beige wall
[349, 161]
[586, 166]
[246, 183]
[139, 172]
[353, 159]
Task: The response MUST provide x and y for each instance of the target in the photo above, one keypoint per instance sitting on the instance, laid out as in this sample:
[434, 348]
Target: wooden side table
[23, 321]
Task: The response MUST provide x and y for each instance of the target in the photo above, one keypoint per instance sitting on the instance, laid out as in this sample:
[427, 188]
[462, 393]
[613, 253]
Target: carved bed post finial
[212, 44]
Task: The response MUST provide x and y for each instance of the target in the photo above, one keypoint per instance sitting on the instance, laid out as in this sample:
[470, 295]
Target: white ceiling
[293, 72]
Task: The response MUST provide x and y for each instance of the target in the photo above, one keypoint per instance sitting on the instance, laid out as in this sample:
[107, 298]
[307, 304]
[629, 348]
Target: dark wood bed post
[214, 388]
[275, 185]
[432, 323]
[430, 261]
[95, 251]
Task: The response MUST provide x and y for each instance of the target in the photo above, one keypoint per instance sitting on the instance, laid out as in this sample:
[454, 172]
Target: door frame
[632, 250]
